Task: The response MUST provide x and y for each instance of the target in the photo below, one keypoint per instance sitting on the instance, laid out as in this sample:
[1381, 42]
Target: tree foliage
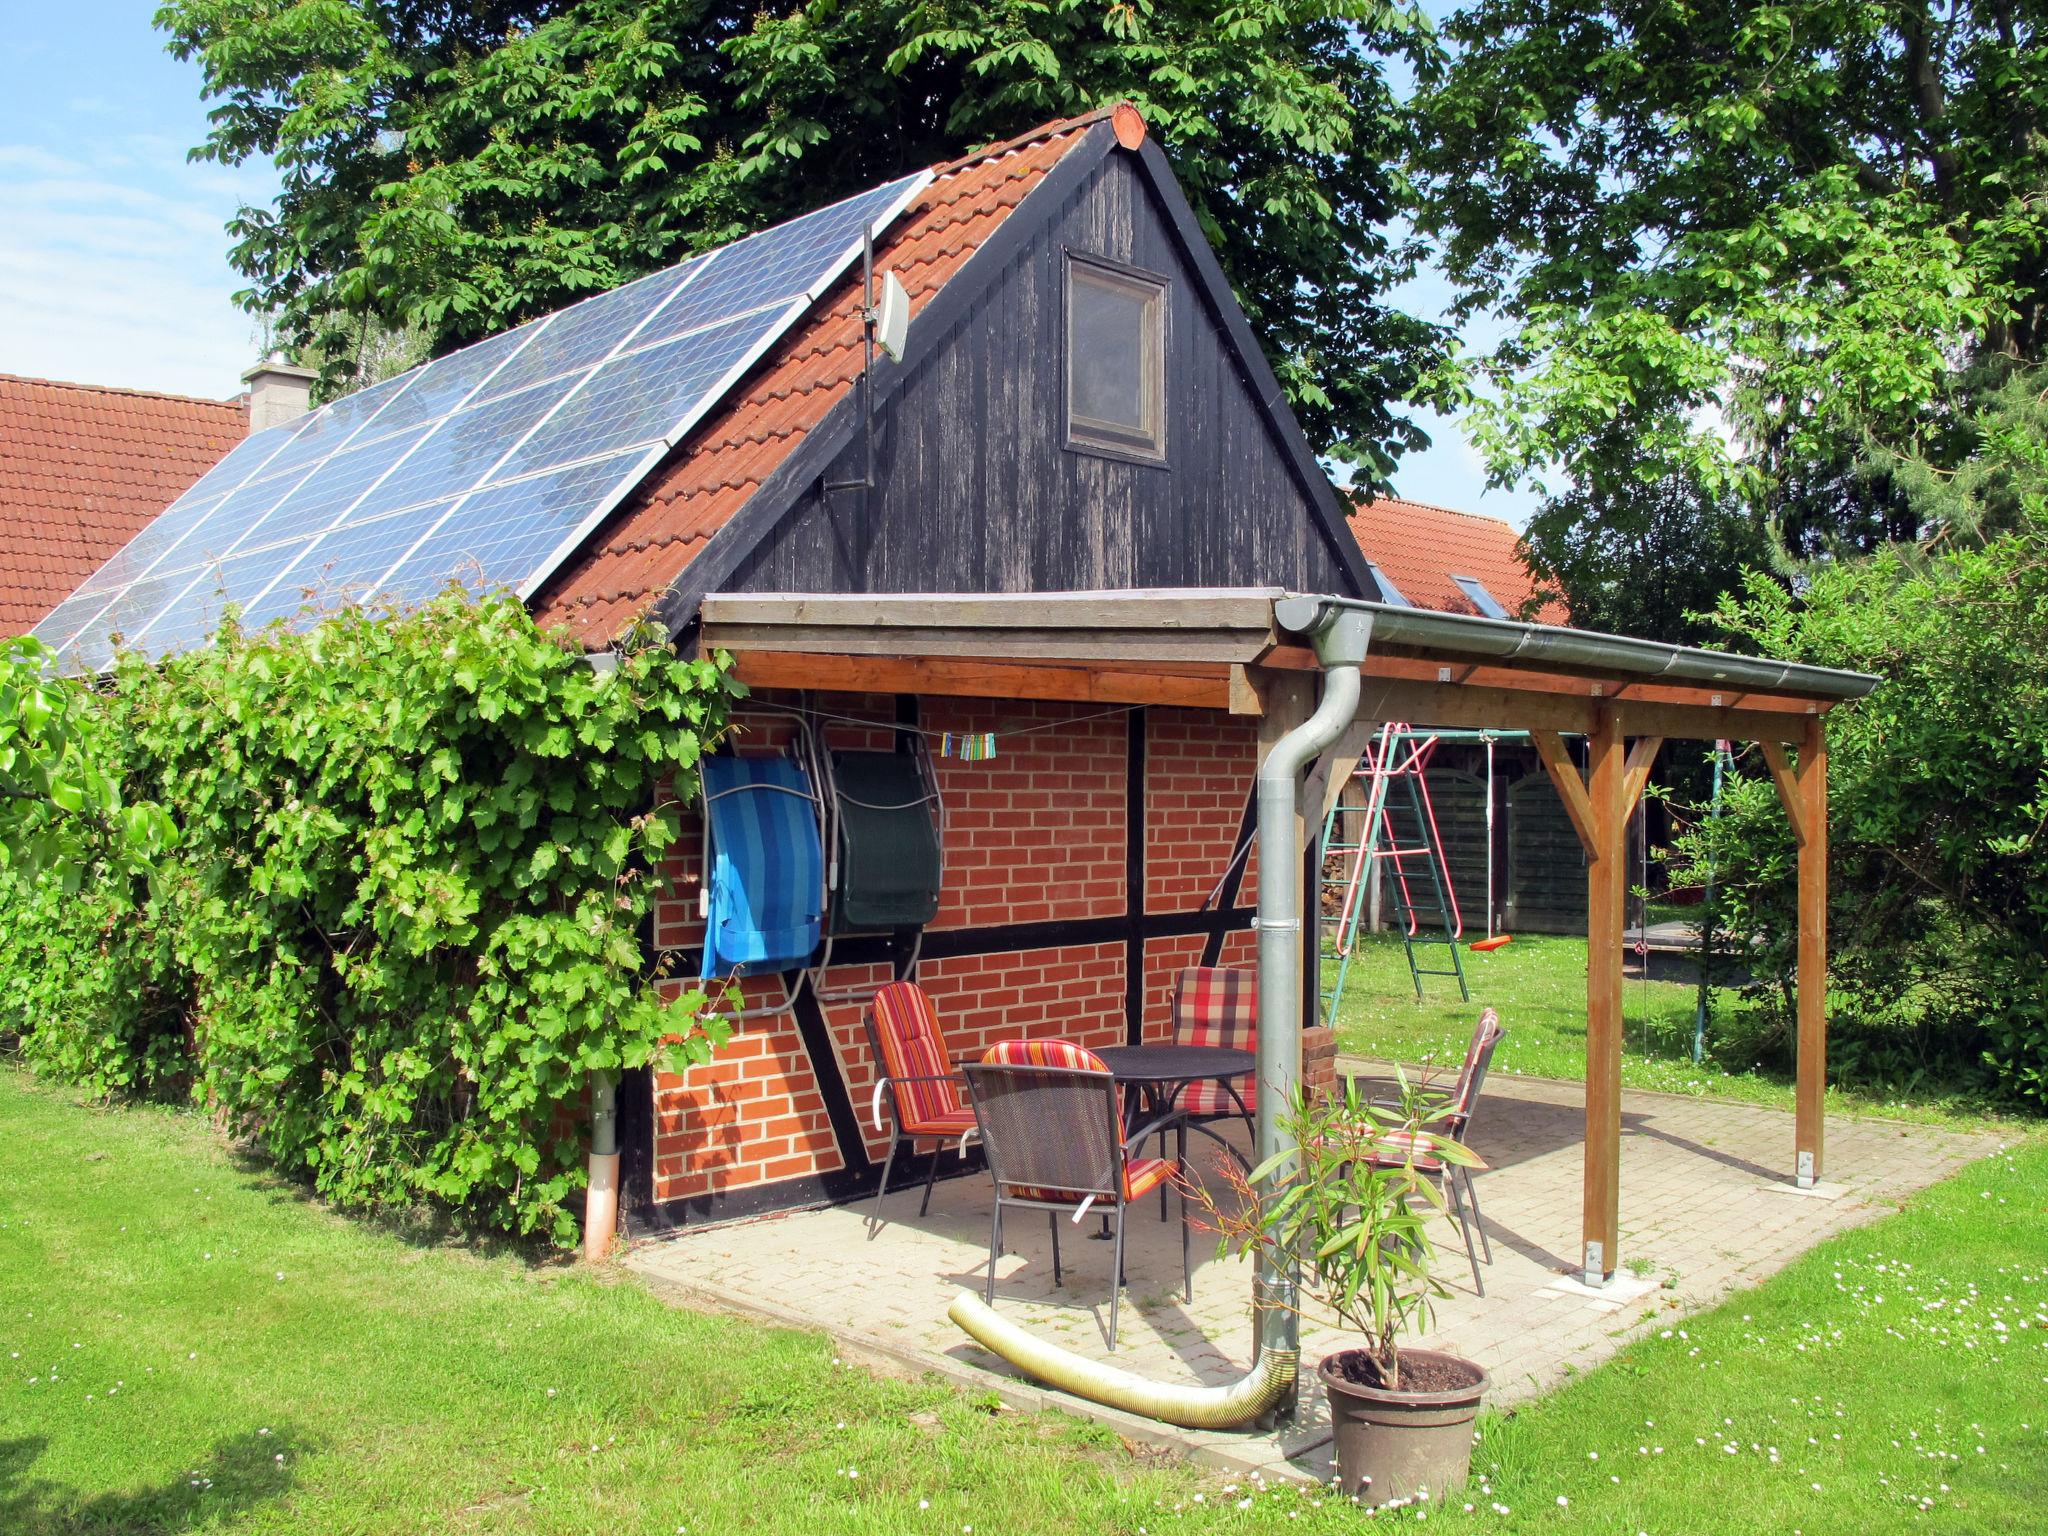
[461, 168]
[1938, 826]
[1761, 245]
[61, 806]
[1646, 559]
[402, 927]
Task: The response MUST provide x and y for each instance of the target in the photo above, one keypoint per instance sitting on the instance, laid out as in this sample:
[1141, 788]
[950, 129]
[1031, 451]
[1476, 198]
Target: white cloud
[114, 263]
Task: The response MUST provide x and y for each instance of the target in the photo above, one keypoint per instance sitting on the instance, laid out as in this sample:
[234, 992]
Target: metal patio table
[1156, 1074]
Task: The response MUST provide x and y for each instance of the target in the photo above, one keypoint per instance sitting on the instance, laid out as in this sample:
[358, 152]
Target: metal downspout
[601, 1200]
[1340, 637]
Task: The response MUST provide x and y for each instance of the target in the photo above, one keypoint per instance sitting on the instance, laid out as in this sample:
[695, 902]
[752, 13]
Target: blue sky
[114, 255]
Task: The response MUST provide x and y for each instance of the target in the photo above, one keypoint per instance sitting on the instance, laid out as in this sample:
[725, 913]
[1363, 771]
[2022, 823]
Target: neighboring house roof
[82, 470]
[1421, 549]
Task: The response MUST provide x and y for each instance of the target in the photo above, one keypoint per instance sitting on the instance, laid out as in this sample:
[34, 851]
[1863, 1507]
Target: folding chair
[916, 1078]
[1052, 1126]
[1217, 1005]
[764, 871]
[1455, 1124]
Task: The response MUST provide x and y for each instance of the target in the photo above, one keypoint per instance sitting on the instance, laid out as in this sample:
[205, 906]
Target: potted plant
[1351, 1205]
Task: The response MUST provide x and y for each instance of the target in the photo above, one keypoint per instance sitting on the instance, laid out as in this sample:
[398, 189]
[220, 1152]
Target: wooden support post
[1605, 876]
[1811, 1093]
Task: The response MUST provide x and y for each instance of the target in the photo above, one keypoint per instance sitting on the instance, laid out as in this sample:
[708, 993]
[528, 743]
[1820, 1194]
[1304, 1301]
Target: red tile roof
[641, 551]
[1421, 548]
[82, 469]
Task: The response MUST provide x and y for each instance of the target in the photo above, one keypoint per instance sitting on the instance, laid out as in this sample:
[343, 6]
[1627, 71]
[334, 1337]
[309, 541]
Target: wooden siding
[977, 492]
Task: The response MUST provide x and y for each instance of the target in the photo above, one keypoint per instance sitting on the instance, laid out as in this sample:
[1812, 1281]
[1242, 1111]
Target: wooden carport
[1243, 651]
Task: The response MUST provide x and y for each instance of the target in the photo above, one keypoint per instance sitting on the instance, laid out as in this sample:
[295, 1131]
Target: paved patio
[1704, 1205]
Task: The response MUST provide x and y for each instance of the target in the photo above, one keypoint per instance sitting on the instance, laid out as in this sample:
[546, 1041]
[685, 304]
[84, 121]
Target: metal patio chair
[1454, 1123]
[1218, 1005]
[1052, 1126]
[918, 1080]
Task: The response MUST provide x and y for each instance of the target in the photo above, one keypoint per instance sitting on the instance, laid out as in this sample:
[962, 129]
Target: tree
[1769, 245]
[1643, 557]
[461, 168]
[1938, 790]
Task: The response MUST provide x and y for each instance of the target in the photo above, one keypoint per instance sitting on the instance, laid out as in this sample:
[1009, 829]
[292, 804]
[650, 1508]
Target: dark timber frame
[779, 496]
[1223, 650]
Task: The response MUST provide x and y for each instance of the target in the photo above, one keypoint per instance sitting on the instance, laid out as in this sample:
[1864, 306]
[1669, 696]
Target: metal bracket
[1806, 1178]
[1596, 1265]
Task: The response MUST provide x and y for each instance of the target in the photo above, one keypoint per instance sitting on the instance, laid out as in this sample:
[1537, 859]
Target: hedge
[402, 921]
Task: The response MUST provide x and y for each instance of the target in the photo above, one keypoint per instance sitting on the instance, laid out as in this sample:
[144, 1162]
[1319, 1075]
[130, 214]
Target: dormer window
[1116, 359]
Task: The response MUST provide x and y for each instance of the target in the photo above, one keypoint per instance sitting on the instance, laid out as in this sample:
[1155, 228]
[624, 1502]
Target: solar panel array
[488, 466]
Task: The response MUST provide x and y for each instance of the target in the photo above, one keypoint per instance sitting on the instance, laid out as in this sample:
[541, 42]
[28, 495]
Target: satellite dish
[892, 317]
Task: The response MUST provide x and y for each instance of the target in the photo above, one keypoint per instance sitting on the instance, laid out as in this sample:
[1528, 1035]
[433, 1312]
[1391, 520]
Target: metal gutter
[1509, 640]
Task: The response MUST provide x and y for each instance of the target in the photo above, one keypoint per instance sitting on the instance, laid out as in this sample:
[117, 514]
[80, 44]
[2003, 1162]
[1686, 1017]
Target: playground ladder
[1396, 827]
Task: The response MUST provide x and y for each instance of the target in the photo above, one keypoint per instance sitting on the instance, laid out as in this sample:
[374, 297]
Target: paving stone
[1701, 1196]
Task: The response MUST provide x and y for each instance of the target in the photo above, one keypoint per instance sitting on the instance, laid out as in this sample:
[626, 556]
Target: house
[1056, 524]
[84, 467]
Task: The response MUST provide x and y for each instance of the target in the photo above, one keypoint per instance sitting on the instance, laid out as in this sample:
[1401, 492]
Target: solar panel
[509, 526]
[489, 466]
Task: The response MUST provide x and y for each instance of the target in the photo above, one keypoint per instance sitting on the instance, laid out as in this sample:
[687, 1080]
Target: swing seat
[1499, 940]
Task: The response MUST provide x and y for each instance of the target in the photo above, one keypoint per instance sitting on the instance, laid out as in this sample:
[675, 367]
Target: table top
[1176, 1063]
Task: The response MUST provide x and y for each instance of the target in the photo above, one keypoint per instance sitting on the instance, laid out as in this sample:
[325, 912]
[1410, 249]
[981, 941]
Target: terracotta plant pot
[1394, 1444]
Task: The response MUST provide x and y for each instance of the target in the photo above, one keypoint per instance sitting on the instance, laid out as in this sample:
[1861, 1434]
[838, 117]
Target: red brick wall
[1036, 834]
[1198, 770]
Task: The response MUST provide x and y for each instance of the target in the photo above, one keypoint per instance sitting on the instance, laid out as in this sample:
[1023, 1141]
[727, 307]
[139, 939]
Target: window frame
[1092, 435]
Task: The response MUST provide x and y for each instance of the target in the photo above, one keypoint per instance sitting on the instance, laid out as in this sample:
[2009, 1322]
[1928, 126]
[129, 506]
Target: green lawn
[192, 1346]
[1538, 983]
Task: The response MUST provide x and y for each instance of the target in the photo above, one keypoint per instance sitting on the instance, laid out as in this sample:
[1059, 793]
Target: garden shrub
[404, 916]
[1938, 825]
[89, 986]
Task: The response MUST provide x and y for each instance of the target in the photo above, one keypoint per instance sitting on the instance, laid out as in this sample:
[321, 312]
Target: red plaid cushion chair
[1052, 1124]
[1218, 1005]
[1454, 1123]
[916, 1078]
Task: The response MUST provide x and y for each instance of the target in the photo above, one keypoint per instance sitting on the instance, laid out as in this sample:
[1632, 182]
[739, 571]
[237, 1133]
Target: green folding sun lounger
[887, 843]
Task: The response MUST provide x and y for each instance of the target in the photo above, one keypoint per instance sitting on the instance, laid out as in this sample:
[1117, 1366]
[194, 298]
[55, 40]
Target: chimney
[278, 392]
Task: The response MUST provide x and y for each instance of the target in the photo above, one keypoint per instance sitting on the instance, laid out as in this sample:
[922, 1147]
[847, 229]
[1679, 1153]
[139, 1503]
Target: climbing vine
[402, 923]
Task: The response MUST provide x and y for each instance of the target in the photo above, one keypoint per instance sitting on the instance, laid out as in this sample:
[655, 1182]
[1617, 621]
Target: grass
[191, 1346]
[1538, 983]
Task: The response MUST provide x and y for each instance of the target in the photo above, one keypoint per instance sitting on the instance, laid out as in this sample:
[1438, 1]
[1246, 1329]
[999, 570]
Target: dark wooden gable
[975, 489]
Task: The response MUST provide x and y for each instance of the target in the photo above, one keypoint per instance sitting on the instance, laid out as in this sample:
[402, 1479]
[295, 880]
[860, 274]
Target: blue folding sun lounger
[767, 866]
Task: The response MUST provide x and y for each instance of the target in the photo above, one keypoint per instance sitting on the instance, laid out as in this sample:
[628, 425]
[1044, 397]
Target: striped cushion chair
[1454, 1123]
[1218, 1005]
[917, 1079]
[1052, 1123]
